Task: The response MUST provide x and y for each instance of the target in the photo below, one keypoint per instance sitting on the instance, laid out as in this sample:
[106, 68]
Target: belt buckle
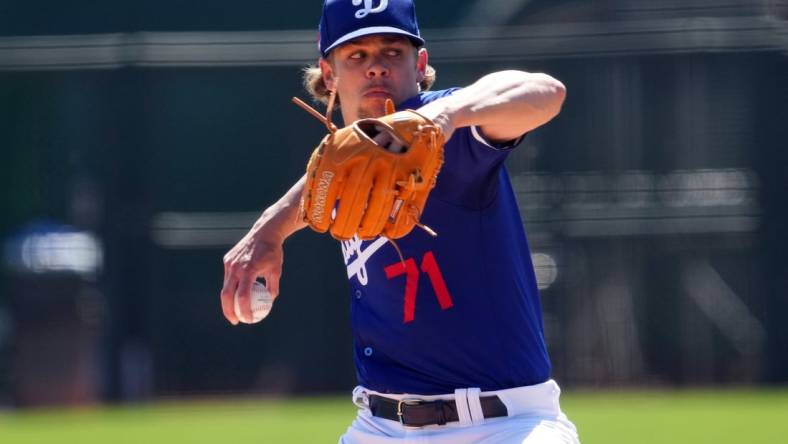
[406, 401]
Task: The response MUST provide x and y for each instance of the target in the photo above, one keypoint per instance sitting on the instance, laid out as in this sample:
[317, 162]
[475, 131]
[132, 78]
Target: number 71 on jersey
[430, 267]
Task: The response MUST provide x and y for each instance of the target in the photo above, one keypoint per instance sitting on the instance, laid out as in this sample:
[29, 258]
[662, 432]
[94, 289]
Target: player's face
[369, 70]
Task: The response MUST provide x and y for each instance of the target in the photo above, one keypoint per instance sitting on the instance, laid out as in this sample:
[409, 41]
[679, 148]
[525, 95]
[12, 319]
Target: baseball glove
[373, 177]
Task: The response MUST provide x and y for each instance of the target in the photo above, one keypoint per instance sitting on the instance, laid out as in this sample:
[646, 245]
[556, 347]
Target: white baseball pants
[535, 417]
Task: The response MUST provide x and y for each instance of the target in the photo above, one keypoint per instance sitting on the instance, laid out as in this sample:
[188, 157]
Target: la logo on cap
[368, 9]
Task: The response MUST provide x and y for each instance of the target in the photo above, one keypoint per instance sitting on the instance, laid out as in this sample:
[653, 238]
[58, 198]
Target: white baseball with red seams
[261, 303]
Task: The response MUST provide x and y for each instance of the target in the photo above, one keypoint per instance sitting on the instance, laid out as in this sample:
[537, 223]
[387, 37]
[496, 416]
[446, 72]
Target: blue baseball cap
[345, 20]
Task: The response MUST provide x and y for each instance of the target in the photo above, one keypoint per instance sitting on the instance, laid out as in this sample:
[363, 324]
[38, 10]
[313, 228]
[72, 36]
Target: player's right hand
[255, 256]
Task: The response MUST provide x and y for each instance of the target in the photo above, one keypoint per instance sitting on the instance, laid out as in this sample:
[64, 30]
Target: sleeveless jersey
[463, 310]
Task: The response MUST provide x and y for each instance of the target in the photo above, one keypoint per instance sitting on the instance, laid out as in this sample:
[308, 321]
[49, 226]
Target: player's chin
[373, 105]
[365, 112]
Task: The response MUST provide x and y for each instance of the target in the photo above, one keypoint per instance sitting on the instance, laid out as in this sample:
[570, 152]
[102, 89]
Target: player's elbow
[554, 93]
[559, 90]
[542, 93]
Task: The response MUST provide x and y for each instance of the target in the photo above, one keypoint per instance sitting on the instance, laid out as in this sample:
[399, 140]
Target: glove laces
[326, 120]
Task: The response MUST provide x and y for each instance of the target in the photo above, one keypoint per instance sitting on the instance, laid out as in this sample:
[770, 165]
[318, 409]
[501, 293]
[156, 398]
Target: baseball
[261, 301]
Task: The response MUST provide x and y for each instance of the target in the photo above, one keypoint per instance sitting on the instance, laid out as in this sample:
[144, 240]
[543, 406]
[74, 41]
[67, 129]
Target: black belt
[419, 413]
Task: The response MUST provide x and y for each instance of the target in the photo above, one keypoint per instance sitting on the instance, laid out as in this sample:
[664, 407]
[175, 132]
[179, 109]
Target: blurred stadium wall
[139, 140]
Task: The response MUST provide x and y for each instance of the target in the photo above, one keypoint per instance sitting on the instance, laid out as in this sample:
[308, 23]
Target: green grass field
[693, 417]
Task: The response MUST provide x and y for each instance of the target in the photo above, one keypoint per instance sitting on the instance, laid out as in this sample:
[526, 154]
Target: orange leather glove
[376, 190]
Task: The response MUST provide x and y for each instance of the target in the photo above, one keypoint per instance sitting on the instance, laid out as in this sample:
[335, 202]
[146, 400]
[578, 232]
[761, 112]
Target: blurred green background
[648, 417]
[140, 140]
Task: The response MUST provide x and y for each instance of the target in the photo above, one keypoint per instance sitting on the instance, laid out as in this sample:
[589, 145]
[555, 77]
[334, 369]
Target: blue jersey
[463, 310]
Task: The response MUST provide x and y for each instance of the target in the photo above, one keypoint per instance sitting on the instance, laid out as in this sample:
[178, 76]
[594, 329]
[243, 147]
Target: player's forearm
[504, 104]
[280, 220]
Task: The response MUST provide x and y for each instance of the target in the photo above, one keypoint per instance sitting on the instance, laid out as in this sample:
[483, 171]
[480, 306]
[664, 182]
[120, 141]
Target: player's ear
[421, 63]
[327, 72]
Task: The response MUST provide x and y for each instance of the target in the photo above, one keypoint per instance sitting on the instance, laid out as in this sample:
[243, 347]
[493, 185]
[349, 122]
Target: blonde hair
[316, 87]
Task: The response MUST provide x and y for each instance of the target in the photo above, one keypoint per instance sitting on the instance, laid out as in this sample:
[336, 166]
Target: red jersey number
[429, 266]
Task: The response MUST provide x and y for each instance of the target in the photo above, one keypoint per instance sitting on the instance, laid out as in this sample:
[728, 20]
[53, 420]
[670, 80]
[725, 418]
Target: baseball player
[448, 337]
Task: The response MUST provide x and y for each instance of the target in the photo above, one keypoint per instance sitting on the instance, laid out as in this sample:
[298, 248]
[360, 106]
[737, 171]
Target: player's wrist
[443, 114]
[271, 227]
[267, 235]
